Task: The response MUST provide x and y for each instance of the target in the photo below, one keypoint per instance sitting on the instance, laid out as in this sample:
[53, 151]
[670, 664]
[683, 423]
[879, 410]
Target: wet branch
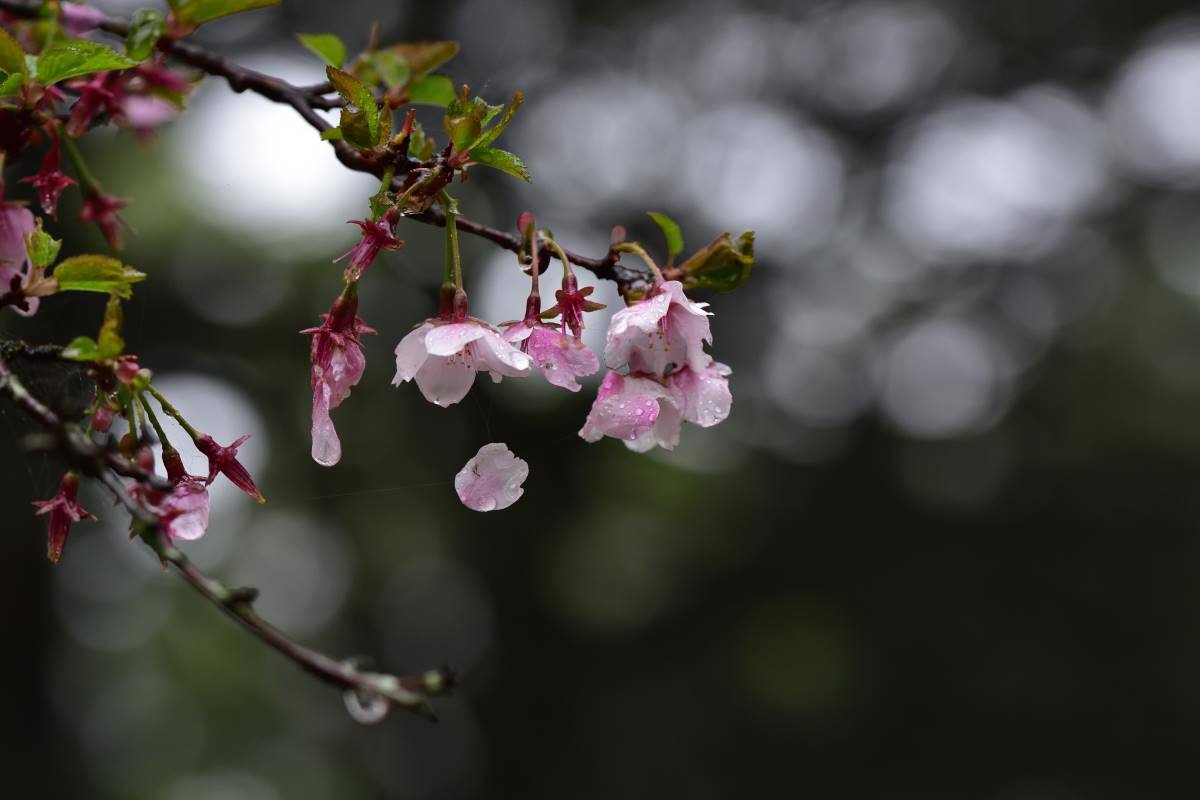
[306, 100]
[410, 692]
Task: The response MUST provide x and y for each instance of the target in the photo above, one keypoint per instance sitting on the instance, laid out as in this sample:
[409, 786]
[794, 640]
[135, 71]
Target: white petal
[501, 358]
[326, 447]
[445, 381]
[446, 340]
[411, 354]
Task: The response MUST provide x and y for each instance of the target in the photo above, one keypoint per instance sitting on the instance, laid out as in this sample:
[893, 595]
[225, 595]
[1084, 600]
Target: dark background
[945, 546]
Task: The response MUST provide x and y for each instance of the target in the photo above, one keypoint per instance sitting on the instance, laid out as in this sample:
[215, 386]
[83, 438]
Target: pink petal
[492, 479]
[326, 447]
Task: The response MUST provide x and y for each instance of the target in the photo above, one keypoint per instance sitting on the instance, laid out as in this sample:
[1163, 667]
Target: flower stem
[158, 430]
[638, 250]
[558, 251]
[87, 181]
[173, 412]
[453, 261]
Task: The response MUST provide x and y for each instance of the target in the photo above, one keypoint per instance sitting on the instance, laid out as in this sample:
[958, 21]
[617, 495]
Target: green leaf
[111, 344]
[70, 58]
[360, 117]
[145, 27]
[671, 231]
[420, 146]
[82, 348]
[12, 84]
[42, 247]
[724, 264]
[432, 90]
[422, 58]
[197, 12]
[332, 134]
[326, 46]
[501, 160]
[92, 273]
[12, 57]
[492, 133]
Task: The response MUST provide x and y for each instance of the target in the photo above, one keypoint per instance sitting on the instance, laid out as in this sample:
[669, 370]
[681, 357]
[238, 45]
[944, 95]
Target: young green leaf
[325, 46]
[724, 264]
[671, 231]
[12, 57]
[145, 27]
[92, 273]
[42, 247]
[420, 146]
[432, 90]
[423, 57]
[501, 160]
[332, 135]
[493, 132]
[12, 84]
[82, 348]
[360, 117]
[70, 58]
[197, 12]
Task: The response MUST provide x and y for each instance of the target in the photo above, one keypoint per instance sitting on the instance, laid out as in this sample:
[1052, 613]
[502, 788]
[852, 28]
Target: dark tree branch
[305, 100]
[407, 691]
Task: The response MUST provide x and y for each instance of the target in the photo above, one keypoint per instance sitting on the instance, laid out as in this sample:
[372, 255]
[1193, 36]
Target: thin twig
[305, 100]
[410, 692]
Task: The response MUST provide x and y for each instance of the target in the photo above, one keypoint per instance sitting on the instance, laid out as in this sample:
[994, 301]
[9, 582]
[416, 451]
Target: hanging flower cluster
[66, 70]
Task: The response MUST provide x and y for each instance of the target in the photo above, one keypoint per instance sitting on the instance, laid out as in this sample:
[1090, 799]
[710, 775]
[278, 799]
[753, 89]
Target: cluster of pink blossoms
[660, 375]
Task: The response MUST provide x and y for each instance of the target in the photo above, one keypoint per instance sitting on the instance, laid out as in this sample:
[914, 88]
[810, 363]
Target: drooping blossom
[492, 479]
[664, 330]
[64, 510]
[702, 395]
[102, 209]
[443, 354]
[79, 20]
[337, 366]
[376, 236]
[560, 357]
[101, 92]
[223, 460]
[49, 181]
[572, 303]
[639, 410]
[16, 224]
[146, 113]
[182, 512]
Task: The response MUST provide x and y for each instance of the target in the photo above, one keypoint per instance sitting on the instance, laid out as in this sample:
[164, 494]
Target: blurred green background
[945, 546]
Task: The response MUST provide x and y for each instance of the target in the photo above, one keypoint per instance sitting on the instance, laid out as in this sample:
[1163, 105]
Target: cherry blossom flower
[145, 113]
[492, 479]
[560, 357]
[101, 209]
[49, 181]
[703, 396]
[376, 236]
[637, 409]
[224, 460]
[64, 510]
[78, 20]
[183, 512]
[572, 303]
[98, 93]
[663, 331]
[337, 366]
[443, 356]
[16, 224]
